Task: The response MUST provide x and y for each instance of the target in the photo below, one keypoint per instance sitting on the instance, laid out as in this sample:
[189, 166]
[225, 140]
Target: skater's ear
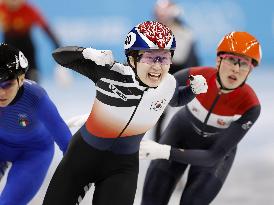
[21, 79]
[131, 61]
[132, 58]
[218, 61]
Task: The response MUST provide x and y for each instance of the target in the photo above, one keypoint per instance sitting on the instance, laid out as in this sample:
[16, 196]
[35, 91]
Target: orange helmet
[241, 43]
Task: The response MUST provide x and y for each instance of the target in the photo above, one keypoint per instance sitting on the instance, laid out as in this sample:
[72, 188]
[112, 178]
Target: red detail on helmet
[156, 32]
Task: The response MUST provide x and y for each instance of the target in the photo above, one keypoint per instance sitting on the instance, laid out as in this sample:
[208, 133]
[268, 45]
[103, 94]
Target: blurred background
[104, 24]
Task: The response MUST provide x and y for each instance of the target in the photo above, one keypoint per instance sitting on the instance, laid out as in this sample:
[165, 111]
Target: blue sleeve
[227, 140]
[183, 93]
[48, 114]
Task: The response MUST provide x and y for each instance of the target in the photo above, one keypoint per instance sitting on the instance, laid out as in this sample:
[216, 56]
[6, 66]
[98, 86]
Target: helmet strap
[135, 59]
[17, 78]
[136, 75]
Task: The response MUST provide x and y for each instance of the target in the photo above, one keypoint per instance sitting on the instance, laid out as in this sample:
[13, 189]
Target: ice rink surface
[251, 180]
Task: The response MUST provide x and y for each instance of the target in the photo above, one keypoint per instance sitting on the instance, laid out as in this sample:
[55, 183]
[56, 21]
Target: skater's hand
[100, 57]
[77, 121]
[152, 150]
[62, 76]
[198, 84]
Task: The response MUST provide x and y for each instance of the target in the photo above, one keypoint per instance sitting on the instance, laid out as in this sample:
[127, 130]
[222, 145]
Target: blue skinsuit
[28, 128]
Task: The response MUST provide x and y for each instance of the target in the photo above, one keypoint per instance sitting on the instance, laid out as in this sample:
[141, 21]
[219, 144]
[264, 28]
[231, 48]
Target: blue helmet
[12, 62]
[149, 35]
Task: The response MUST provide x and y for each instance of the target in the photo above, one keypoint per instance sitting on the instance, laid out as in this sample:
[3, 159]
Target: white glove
[77, 121]
[198, 84]
[152, 150]
[63, 77]
[100, 57]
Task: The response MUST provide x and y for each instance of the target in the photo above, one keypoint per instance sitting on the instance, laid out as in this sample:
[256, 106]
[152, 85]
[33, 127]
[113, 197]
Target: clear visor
[150, 57]
[243, 63]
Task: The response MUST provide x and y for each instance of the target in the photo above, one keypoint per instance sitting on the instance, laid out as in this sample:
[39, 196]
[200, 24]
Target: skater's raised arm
[89, 62]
